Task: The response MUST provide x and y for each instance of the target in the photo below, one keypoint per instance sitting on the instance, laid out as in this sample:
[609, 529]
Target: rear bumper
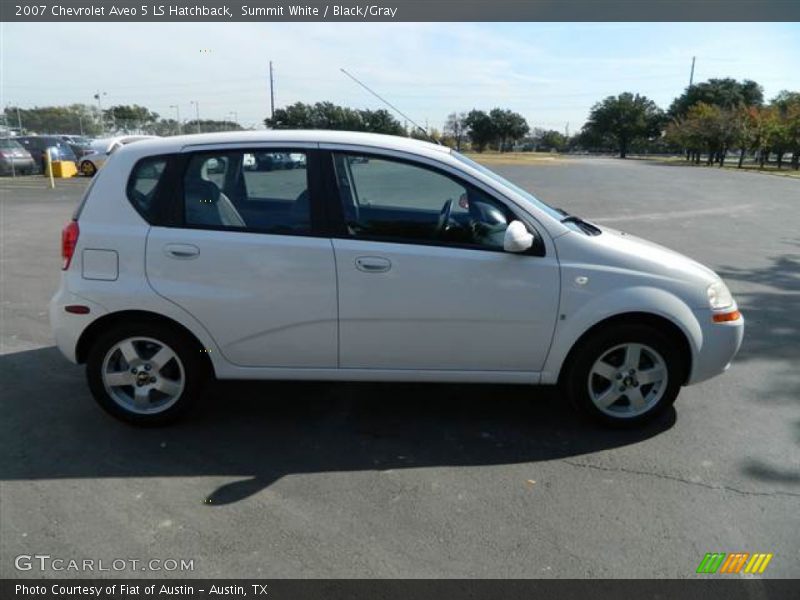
[721, 342]
[68, 327]
[19, 164]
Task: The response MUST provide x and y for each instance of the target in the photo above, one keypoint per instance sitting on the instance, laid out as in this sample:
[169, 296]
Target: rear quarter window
[144, 185]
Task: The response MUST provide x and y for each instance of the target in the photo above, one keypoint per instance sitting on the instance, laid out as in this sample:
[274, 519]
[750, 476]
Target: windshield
[556, 214]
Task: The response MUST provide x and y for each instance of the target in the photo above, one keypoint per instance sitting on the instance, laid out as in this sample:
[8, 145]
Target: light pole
[197, 113]
[177, 115]
[100, 109]
[235, 116]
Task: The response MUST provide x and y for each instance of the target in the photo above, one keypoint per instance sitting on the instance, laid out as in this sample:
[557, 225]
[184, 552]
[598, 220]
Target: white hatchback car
[100, 150]
[385, 259]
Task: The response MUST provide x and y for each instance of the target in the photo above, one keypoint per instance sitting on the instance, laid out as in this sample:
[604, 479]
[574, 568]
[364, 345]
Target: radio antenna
[392, 106]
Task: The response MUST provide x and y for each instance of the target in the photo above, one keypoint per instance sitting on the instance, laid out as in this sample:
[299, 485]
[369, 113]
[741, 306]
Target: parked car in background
[80, 140]
[271, 161]
[297, 161]
[80, 144]
[14, 158]
[37, 144]
[368, 271]
[101, 149]
[80, 150]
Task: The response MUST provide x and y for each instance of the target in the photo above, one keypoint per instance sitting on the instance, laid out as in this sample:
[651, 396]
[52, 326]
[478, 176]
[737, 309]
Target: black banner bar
[400, 10]
[370, 589]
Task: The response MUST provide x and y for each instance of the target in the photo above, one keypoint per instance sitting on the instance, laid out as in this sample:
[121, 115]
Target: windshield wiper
[585, 226]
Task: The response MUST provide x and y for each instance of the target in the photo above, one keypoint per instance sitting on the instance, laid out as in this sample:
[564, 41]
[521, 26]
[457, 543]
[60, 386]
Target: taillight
[69, 239]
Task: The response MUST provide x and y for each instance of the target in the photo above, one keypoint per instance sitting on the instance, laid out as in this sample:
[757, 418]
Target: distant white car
[101, 149]
[385, 259]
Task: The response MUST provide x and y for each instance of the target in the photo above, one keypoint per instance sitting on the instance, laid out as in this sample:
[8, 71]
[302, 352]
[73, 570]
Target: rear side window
[263, 191]
[143, 185]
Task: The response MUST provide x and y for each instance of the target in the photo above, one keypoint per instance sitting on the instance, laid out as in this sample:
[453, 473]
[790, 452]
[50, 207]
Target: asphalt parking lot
[369, 480]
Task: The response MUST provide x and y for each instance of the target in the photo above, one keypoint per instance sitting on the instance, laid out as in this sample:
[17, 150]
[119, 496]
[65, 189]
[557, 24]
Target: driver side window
[399, 201]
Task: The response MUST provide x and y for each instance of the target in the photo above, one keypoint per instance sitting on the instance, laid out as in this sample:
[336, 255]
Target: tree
[165, 127]
[550, 140]
[381, 121]
[456, 129]
[326, 115]
[623, 119]
[210, 126]
[129, 118]
[785, 128]
[724, 93]
[431, 135]
[75, 118]
[480, 129]
[509, 126]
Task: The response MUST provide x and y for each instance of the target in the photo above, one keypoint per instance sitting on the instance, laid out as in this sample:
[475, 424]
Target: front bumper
[720, 343]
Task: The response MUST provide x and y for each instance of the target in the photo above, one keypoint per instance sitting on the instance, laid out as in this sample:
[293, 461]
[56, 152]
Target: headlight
[719, 296]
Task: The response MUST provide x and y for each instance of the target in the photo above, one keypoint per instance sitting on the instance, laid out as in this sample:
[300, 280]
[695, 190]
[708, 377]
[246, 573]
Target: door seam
[338, 318]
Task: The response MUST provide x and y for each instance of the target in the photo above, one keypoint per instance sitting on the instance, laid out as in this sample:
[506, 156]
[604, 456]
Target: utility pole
[271, 93]
[177, 116]
[19, 122]
[235, 116]
[100, 109]
[691, 75]
[566, 130]
[197, 113]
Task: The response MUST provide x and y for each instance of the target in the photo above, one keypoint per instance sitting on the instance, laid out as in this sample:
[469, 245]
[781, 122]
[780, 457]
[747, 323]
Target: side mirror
[517, 237]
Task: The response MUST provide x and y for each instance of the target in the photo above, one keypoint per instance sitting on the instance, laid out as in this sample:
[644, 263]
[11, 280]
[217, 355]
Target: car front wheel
[145, 374]
[624, 375]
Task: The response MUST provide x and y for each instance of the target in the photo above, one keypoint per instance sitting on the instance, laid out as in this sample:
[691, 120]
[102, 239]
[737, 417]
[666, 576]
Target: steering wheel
[444, 217]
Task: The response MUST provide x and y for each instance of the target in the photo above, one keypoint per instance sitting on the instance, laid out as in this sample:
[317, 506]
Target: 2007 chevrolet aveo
[343, 256]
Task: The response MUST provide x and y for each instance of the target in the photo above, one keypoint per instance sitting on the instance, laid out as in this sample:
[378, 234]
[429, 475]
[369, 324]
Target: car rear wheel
[88, 168]
[145, 374]
[624, 375]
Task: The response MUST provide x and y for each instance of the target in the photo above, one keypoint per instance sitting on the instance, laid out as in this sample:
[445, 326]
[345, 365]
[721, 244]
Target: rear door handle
[373, 264]
[182, 251]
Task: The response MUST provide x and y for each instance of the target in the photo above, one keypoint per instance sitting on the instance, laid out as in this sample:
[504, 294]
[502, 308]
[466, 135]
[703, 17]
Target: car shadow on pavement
[255, 433]
[772, 332]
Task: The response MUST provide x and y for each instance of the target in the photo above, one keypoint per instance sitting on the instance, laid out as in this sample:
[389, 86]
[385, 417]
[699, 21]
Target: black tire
[575, 380]
[88, 169]
[195, 373]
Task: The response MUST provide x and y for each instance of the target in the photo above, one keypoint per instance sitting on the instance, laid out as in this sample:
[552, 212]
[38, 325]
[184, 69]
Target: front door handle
[182, 251]
[373, 264]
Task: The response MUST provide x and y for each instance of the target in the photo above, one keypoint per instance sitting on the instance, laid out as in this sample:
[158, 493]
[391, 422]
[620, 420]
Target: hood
[641, 254]
[630, 261]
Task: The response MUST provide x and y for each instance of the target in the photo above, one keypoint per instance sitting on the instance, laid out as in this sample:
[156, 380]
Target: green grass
[730, 165]
[515, 158]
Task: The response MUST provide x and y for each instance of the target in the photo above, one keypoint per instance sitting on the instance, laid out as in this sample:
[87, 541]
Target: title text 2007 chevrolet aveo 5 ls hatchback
[374, 258]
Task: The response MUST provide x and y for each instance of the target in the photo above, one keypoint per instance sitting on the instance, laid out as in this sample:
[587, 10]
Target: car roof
[288, 136]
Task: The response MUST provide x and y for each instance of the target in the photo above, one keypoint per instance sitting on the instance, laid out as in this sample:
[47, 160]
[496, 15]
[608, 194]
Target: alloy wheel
[628, 380]
[143, 375]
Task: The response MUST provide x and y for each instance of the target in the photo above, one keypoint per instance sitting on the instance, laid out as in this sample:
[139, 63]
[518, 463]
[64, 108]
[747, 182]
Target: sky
[551, 73]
